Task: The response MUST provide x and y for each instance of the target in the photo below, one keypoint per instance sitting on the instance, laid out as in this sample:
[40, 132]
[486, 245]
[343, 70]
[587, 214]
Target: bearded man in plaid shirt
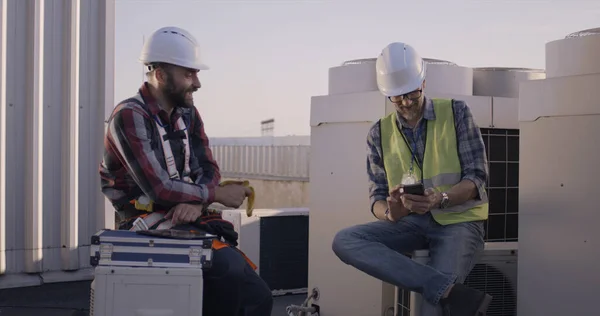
[156, 153]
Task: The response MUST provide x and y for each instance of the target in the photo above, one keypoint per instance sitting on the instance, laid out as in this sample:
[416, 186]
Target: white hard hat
[172, 45]
[400, 70]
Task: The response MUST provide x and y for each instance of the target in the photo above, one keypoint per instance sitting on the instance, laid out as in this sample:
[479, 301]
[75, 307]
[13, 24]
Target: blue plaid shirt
[471, 149]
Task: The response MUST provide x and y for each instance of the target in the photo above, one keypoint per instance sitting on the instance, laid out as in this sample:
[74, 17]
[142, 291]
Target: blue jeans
[378, 249]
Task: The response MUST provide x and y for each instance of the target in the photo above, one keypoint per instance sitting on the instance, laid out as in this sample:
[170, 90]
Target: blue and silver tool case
[131, 249]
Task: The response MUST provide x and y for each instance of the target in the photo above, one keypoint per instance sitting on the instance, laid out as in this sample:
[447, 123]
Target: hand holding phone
[414, 189]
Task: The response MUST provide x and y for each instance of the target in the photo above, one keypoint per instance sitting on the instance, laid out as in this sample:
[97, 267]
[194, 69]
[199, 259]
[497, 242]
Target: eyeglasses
[413, 96]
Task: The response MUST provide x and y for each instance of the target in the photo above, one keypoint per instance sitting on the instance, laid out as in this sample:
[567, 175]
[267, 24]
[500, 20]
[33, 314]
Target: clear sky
[268, 58]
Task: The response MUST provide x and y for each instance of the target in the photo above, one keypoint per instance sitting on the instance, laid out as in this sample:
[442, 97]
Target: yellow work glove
[143, 203]
[250, 204]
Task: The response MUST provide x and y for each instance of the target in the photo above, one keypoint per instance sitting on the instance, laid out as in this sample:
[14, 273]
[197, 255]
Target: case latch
[106, 251]
[195, 256]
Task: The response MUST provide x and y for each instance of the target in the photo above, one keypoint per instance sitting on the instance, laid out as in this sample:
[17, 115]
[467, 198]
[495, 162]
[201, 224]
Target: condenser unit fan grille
[487, 278]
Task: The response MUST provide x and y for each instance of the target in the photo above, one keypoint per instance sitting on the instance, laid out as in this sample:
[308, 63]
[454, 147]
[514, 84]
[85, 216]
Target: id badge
[409, 178]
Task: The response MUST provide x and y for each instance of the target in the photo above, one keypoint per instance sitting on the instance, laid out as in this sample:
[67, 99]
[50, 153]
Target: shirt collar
[429, 112]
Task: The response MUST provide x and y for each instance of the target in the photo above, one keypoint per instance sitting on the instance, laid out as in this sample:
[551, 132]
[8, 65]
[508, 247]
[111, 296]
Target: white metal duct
[56, 84]
[502, 82]
[445, 77]
[576, 54]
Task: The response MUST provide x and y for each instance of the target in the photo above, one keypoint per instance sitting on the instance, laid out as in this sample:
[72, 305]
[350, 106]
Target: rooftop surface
[73, 299]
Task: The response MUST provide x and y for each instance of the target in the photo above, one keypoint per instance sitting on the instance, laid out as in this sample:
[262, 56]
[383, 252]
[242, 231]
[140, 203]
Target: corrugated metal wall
[56, 86]
[263, 161]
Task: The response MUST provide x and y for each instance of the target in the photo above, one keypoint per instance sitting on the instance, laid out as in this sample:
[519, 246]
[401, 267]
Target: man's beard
[177, 96]
[410, 114]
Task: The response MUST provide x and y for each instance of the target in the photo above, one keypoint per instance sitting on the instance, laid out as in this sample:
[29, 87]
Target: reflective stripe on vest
[441, 165]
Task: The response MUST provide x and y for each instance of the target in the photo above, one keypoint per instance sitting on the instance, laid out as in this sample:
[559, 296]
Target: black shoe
[465, 301]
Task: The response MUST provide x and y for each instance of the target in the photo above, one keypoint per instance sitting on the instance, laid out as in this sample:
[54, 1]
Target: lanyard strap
[412, 146]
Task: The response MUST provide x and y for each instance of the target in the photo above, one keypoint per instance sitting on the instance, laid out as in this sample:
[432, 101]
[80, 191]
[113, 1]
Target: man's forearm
[379, 209]
[462, 192]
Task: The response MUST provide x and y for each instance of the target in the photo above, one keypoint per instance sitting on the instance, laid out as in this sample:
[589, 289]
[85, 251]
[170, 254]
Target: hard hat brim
[185, 65]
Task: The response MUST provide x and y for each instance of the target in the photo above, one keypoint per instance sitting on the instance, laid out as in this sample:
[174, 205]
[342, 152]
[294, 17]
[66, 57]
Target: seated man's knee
[267, 297]
[342, 241]
[227, 265]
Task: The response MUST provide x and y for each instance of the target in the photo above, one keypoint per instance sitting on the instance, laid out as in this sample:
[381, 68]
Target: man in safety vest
[436, 143]
[158, 170]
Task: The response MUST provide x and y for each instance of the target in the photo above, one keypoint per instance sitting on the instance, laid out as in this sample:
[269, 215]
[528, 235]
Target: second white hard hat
[400, 70]
[172, 45]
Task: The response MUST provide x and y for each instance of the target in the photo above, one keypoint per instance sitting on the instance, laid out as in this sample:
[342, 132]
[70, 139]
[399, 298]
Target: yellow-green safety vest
[441, 165]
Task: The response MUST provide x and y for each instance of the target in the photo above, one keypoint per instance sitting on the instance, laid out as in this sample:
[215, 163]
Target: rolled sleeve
[471, 148]
[378, 187]
[478, 183]
[208, 172]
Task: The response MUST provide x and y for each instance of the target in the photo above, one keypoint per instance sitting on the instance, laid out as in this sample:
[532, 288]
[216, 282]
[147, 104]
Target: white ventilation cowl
[576, 54]
[353, 76]
[446, 77]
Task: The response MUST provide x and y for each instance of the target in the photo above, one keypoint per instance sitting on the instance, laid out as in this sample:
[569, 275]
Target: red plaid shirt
[134, 164]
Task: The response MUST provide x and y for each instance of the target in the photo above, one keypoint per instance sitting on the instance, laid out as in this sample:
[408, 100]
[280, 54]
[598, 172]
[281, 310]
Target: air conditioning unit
[495, 273]
[276, 240]
[141, 291]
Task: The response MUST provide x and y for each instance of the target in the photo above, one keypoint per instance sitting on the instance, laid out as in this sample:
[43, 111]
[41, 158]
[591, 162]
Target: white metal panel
[34, 137]
[557, 186]
[126, 291]
[448, 78]
[573, 95]
[3, 105]
[480, 106]
[59, 56]
[502, 82]
[106, 102]
[96, 95]
[350, 107]
[505, 113]
[353, 76]
[558, 215]
[70, 167]
[16, 69]
[56, 104]
[339, 198]
[574, 55]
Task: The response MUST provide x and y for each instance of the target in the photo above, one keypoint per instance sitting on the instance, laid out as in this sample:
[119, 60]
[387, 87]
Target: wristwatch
[445, 200]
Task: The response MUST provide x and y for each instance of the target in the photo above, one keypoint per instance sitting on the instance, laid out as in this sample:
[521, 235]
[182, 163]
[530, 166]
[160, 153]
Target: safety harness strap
[155, 220]
[166, 145]
[143, 202]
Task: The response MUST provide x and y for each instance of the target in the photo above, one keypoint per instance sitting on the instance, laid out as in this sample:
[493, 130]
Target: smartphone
[414, 189]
